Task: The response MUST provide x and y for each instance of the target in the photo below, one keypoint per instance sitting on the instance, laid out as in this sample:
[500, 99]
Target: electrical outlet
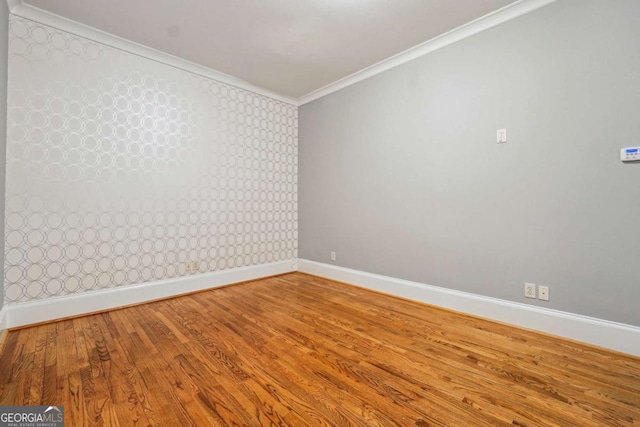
[543, 293]
[191, 266]
[530, 290]
[333, 256]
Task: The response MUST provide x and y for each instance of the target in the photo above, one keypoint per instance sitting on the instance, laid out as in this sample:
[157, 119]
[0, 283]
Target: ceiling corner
[27, 11]
[13, 4]
[507, 13]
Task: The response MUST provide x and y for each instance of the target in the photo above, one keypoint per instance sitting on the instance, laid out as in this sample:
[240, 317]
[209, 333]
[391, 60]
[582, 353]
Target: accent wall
[4, 30]
[121, 169]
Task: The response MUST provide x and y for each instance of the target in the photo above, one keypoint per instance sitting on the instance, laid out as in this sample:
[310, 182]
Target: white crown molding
[514, 10]
[602, 333]
[18, 8]
[13, 3]
[493, 19]
[28, 313]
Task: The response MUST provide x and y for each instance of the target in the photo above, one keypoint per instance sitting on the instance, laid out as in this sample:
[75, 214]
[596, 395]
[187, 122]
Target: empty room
[320, 213]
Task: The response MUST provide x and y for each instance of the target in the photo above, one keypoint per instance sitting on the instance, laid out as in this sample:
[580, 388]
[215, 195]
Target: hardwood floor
[298, 350]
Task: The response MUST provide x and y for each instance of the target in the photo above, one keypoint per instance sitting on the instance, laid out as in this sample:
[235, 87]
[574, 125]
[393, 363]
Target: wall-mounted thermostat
[630, 154]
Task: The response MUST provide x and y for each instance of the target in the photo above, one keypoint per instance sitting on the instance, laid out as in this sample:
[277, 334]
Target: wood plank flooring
[298, 350]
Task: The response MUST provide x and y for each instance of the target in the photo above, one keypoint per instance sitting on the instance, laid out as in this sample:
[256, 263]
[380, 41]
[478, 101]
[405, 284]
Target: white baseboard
[603, 333]
[28, 313]
[3, 326]
[3, 319]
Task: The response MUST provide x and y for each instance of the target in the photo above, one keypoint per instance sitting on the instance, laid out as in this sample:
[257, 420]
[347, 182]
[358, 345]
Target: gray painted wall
[4, 32]
[401, 174]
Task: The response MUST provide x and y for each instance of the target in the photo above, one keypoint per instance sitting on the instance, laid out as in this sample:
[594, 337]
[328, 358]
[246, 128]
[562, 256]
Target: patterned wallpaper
[120, 169]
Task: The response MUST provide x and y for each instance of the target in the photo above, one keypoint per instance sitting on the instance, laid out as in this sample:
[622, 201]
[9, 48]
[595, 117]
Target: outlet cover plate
[530, 290]
[543, 293]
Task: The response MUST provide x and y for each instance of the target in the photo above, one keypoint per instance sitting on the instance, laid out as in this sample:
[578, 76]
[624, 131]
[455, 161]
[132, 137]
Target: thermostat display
[630, 154]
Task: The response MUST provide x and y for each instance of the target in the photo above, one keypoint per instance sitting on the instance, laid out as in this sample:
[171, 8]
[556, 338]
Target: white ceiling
[290, 47]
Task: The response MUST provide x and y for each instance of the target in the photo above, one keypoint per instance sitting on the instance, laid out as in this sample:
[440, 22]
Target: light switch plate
[501, 136]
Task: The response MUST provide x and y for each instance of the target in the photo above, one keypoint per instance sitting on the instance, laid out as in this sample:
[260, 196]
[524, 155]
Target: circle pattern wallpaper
[120, 169]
